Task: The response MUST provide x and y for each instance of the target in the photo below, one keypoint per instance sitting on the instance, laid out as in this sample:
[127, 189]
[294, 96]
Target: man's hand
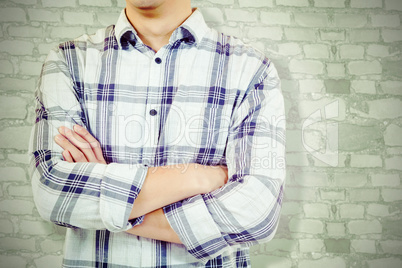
[79, 145]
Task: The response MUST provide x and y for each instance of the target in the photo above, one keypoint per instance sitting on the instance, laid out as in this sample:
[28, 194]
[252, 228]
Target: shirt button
[153, 112]
[158, 60]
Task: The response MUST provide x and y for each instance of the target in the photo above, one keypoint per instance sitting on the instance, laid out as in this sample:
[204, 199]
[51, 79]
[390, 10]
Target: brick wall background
[338, 59]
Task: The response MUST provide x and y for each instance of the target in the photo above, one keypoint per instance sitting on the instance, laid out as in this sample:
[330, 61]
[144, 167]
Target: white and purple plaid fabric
[204, 98]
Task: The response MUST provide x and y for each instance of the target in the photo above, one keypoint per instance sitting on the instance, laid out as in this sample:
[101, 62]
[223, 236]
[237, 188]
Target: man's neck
[155, 24]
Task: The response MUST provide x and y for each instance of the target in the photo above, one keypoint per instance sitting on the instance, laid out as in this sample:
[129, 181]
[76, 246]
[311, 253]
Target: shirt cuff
[194, 225]
[120, 186]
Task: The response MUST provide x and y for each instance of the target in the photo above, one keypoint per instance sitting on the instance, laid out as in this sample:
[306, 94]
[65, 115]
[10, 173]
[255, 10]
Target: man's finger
[76, 154]
[79, 143]
[94, 143]
[67, 156]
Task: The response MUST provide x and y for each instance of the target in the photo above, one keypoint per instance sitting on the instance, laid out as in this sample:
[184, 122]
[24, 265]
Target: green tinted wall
[341, 69]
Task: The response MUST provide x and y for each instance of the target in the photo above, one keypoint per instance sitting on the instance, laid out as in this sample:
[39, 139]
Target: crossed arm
[169, 183]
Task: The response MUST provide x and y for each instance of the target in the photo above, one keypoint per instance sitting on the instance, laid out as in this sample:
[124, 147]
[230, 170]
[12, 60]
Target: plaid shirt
[204, 98]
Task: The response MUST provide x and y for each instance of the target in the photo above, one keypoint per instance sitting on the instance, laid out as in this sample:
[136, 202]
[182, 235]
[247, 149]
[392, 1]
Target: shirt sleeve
[246, 210]
[83, 195]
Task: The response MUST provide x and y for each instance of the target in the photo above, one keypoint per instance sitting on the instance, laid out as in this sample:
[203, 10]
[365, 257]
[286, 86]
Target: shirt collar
[190, 31]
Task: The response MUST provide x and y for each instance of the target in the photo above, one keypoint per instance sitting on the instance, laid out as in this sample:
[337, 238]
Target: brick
[16, 207]
[289, 85]
[18, 158]
[43, 15]
[363, 246]
[272, 33]
[262, 260]
[393, 5]
[57, 3]
[391, 195]
[378, 50]
[13, 107]
[385, 108]
[332, 194]
[18, 85]
[281, 245]
[25, 31]
[6, 67]
[351, 52]
[20, 190]
[316, 210]
[14, 243]
[212, 14]
[366, 161]
[51, 246]
[391, 246]
[291, 208]
[370, 36]
[366, 3]
[36, 228]
[240, 15]
[329, 3]
[15, 137]
[311, 179]
[80, 18]
[299, 160]
[311, 245]
[336, 229]
[364, 86]
[7, 261]
[355, 138]
[351, 211]
[337, 245]
[6, 227]
[365, 67]
[350, 20]
[45, 48]
[11, 14]
[337, 86]
[17, 47]
[70, 32]
[296, 3]
[275, 18]
[393, 163]
[392, 135]
[49, 261]
[97, 3]
[311, 86]
[332, 35]
[306, 226]
[392, 87]
[15, 174]
[337, 262]
[222, 2]
[300, 193]
[350, 179]
[360, 227]
[121, 3]
[25, 2]
[390, 36]
[107, 19]
[256, 3]
[364, 195]
[394, 150]
[289, 49]
[306, 66]
[381, 20]
[300, 34]
[336, 69]
[30, 68]
[378, 210]
[384, 262]
[316, 51]
[311, 19]
[392, 68]
[392, 227]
